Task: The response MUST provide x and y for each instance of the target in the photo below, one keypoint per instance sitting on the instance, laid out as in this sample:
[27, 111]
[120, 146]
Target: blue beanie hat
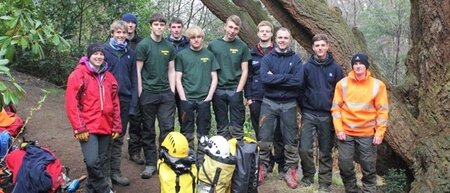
[360, 57]
[127, 17]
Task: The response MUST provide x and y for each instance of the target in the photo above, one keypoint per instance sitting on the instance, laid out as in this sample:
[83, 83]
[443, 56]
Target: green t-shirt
[156, 57]
[229, 55]
[196, 67]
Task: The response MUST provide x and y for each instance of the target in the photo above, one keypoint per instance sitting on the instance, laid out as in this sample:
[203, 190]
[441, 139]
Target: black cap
[360, 57]
[95, 47]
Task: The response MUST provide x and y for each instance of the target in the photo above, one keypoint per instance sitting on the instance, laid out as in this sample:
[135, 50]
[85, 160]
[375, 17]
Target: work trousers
[322, 127]
[161, 106]
[230, 113]
[368, 157]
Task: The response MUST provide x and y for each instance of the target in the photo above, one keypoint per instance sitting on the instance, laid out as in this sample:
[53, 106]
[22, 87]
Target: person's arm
[296, 77]
[134, 88]
[336, 112]
[179, 86]
[381, 105]
[213, 86]
[268, 77]
[248, 86]
[117, 121]
[243, 79]
[139, 65]
[75, 85]
[171, 75]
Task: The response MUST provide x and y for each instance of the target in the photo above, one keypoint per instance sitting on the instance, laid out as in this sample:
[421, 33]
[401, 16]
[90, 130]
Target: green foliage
[10, 91]
[385, 25]
[395, 181]
[22, 28]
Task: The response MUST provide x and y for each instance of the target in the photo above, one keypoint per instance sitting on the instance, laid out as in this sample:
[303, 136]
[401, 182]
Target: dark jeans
[368, 157]
[323, 127]
[135, 132]
[229, 103]
[95, 156]
[287, 114]
[278, 146]
[115, 147]
[195, 113]
[161, 105]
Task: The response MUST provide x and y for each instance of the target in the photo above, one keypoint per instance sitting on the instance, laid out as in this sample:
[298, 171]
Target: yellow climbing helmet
[176, 144]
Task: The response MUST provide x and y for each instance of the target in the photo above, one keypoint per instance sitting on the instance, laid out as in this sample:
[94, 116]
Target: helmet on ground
[218, 146]
[176, 145]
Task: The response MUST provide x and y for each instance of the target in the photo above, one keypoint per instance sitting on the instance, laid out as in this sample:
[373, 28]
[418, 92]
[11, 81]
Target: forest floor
[50, 127]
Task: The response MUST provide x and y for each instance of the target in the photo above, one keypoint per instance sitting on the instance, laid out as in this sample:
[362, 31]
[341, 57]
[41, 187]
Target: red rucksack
[14, 162]
[15, 127]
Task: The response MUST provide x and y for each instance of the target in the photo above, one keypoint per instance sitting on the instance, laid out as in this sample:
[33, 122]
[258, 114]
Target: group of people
[129, 81]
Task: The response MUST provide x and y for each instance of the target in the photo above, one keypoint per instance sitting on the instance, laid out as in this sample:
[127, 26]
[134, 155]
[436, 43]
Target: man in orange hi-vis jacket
[360, 115]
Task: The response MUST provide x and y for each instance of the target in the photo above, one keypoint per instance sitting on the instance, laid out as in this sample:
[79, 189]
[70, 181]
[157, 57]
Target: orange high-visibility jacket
[360, 107]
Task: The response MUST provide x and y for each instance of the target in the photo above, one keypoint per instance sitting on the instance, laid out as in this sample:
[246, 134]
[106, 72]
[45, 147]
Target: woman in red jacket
[93, 109]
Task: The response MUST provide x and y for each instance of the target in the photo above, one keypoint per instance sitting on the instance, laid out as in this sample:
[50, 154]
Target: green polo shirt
[196, 67]
[156, 57]
[229, 55]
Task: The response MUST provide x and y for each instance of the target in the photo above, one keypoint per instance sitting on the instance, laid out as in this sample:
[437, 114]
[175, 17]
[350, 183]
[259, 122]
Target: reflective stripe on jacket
[360, 107]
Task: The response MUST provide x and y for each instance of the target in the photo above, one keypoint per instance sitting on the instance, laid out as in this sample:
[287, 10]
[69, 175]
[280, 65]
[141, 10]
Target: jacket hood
[83, 62]
[258, 50]
[314, 60]
[290, 52]
[183, 41]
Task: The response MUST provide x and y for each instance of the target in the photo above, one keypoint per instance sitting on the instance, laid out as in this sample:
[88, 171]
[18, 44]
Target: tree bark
[428, 89]
[419, 130]
[223, 9]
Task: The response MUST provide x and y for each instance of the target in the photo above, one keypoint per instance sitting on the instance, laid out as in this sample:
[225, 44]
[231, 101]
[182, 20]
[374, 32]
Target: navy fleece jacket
[285, 79]
[320, 79]
[123, 67]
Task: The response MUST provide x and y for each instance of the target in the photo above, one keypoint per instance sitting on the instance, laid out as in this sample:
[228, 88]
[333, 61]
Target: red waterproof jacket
[92, 101]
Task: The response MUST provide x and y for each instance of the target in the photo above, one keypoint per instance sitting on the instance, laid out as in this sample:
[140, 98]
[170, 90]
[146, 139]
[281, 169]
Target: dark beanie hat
[127, 17]
[94, 48]
[360, 57]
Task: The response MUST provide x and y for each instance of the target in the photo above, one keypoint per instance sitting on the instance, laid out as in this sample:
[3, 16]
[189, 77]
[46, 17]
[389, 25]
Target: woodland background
[407, 41]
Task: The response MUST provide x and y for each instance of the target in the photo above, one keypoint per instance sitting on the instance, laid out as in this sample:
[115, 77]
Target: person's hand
[249, 101]
[115, 135]
[83, 136]
[341, 136]
[377, 140]
[207, 99]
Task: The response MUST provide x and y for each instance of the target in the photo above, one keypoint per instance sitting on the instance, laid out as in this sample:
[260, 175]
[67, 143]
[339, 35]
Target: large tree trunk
[418, 128]
[428, 89]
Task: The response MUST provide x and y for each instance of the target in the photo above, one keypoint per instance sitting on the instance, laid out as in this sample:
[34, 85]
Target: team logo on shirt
[165, 52]
[204, 60]
[234, 50]
[255, 62]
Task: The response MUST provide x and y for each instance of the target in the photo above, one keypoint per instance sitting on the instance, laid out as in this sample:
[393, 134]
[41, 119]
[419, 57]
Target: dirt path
[50, 127]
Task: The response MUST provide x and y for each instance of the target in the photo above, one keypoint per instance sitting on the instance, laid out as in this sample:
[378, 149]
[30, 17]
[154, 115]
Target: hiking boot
[262, 174]
[324, 188]
[306, 182]
[291, 178]
[136, 158]
[148, 172]
[119, 179]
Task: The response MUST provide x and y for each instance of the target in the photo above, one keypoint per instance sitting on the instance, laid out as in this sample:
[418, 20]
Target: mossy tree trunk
[419, 130]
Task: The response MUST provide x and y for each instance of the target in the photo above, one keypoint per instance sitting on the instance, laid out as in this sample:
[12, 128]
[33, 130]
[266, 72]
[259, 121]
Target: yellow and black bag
[177, 175]
[245, 176]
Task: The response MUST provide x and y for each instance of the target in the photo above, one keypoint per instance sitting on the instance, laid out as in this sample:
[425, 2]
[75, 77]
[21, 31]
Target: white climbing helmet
[218, 146]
